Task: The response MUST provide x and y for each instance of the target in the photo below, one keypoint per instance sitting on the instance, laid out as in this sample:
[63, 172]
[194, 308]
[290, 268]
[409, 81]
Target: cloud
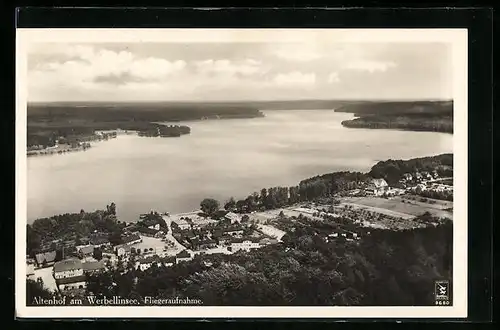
[246, 68]
[370, 65]
[333, 78]
[295, 78]
[298, 52]
[122, 78]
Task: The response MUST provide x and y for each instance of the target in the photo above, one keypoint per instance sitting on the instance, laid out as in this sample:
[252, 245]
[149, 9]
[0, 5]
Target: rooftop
[46, 256]
[67, 265]
[183, 254]
[93, 265]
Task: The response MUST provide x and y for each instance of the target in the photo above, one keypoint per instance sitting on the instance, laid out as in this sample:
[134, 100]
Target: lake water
[219, 159]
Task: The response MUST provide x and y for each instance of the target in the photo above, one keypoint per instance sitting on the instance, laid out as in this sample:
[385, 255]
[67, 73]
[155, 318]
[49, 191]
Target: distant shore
[426, 116]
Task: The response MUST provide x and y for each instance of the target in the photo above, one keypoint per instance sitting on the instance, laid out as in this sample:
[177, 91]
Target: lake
[219, 159]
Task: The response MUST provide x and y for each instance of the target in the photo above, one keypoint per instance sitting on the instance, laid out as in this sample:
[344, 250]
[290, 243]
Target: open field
[157, 245]
[437, 204]
[395, 206]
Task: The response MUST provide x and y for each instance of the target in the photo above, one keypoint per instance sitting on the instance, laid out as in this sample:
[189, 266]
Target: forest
[433, 116]
[392, 170]
[384, 268]
[47, 122]
[72, 226]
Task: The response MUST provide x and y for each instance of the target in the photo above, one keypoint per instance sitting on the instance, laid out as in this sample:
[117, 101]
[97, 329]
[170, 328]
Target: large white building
[245, 245]
[69, 274]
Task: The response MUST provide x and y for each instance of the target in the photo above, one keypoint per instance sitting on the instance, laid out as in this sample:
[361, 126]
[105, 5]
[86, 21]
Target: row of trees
[276, 197]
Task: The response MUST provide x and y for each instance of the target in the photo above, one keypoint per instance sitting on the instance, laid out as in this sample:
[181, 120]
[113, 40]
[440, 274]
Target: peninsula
[431, 116]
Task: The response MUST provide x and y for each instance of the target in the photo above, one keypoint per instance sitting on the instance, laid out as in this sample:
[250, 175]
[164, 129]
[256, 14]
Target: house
[224, 239]
[268, 241]
[184, 255]
[151, 224]
[418, 176]
[233, 230]
[132, 239]
[71, 267]
[30, 271]
[45, 259]
[435, 174]
[85, 250]
[122, 250]
[420, 187]
[233, 217]
[305, 210]
[92, 267]
[244, 244]
[71, 283]
[377, 187]
[168, 261]
[69, 243]
[146, 231]
[407, 177]
[207, 243]
[99, 240]
[146, 263]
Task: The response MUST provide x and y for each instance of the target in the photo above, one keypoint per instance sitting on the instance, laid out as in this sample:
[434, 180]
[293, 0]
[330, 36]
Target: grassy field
[430, 202]
[396, 205]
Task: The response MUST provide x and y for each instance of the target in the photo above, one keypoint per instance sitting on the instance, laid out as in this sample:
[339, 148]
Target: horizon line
[248, 101]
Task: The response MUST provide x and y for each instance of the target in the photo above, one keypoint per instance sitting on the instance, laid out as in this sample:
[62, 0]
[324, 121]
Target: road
[171, 238]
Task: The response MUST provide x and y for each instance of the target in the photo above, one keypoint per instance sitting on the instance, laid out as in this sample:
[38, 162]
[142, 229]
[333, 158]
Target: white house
[69, 274]
[122, 250]
[155, 227]
[146, 263]
[30, 271]
[233, 217]
[377, 187]
[305, 210]
[68, 268]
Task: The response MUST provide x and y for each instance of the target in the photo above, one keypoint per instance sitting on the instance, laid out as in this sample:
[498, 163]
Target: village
[165, 239]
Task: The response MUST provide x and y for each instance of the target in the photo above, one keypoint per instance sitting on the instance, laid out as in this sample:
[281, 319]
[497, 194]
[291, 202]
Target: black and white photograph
[192, 170]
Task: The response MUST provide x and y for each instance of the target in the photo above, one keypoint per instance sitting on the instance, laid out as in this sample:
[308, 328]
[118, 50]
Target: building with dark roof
[132, 239]
[45, 258]
[184, 255]
[86, 250]
[100, 240]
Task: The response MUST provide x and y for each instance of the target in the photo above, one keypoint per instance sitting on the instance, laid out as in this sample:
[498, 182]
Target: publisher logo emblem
[442, 292]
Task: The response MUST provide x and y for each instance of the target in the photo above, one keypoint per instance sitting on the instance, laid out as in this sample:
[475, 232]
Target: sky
[238, 71]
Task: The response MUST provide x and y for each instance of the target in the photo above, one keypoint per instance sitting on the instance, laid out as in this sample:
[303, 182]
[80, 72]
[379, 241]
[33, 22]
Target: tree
[245, 218]
[111, 208]
[230, 204]
[115, 237]
[36, 289]
[97, 254]
[209, 205]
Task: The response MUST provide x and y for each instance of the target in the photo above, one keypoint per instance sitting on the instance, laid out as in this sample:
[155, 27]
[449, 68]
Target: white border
[456, 37]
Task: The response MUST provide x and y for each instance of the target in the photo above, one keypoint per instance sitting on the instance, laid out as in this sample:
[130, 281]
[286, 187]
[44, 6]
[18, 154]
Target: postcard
[241, 173]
